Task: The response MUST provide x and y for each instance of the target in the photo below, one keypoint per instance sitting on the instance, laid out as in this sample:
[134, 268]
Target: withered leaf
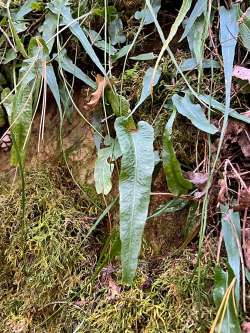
[96, 96]
[247, 249]
[199, 179]
[242, 73]
[244, 142]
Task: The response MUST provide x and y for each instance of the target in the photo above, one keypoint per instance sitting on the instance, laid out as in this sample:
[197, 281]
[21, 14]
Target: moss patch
[46, 280]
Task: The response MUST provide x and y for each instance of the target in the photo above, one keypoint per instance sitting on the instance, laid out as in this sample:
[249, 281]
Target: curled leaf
[96, 96]
[241, 73]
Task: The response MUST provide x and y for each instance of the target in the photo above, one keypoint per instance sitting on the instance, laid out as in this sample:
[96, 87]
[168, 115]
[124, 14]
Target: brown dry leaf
[244, 142]
[244, 199]
[245, 327]
[114, 290]
[223, 193]
[247, 248]
[199, 179]
[242, 73]
[96, 96]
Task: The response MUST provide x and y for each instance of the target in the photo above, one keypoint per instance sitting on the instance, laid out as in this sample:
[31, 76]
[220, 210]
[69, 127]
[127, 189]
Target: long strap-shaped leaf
[135, 184]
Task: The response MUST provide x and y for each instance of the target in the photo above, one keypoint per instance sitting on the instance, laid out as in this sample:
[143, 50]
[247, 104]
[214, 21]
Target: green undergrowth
[46, 280]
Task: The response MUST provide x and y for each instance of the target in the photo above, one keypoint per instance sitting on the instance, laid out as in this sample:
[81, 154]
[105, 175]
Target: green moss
[50, 288]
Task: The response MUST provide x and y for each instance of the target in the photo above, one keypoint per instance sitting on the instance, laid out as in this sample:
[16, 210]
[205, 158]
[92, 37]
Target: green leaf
[2, 118]
[145, 13]
[230, 322]
[20, 120]
[97, 40]
[194, 113]
[25, 9]
[8, 101]
[196, 40]
[53, 85]
[119, 104]
[144, 57]
[19, 44]
[146, 85]
[191, 64]
[177, 184]
[67, 64]
[121, 53]
[60, 9]
[116, 32]
[170, 206]
[231, 230]
[229, 29]
[48, 30]
[137, 167]
[198, 10]
[245, 29]
[220, 107]
[104, 167]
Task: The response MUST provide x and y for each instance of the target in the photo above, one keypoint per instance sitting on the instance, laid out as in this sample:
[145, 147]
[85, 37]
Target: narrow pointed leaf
[146, 85]
[135, 185]
[194, 113]
[229, 29]
[198, 10]
[67, 64]
[220, 107]
[48, 30]
[53, 85]
[145, 13]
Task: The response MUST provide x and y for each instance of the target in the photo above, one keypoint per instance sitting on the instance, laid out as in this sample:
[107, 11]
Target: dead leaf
[199, 179]
[96, 96]
[114, 290]
[223, 193]
[244, 142]
[247, 248]
[245, 327]
[244, 200]
[242, 73]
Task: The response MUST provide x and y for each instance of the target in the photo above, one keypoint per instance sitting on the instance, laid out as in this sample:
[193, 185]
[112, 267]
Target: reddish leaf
[96, 96]
[242, 73]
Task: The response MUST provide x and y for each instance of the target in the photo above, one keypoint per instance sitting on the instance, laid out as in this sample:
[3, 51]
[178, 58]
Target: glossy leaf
[194, 113]
[177, 184]
[53, 85]
[229, 323]
[137, 167]
[231, 230]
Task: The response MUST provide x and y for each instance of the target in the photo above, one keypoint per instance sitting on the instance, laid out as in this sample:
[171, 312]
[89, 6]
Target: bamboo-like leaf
[145, 13]
[170, 206]
[116, 31]
[48, 30]
[135, 185]
[25, 9]
[59, 8]
[245, 28]
[177, 184]
[67, 64]
[194, 113]
[229, 29]
[146, 85]
[220, 107]
[144, 57]
[53, 85]
[191, 64]
[198, 10]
